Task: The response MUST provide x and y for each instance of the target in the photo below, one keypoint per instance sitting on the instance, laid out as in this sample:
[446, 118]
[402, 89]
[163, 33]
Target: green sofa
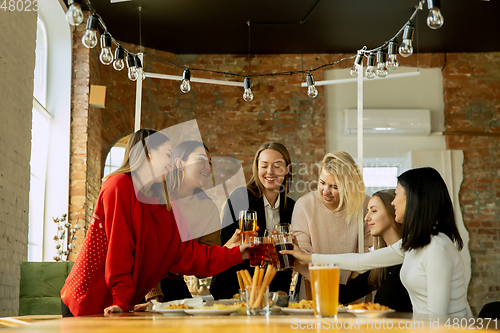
[41, 284]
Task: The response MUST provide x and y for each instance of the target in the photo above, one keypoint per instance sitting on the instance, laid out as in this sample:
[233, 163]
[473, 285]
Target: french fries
[368, 306]
[303, 304]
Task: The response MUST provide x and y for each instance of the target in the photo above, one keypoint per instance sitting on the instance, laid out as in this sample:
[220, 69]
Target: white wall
[17, 64]
[417, 92]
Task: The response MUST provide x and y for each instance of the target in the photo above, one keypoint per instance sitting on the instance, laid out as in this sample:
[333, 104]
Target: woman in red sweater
[125, 252]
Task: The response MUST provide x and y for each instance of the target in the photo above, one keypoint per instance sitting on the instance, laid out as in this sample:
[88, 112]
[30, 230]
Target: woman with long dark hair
[133, 239]
[385, 280]
[266, 193]
[433, 270]
[191, 172]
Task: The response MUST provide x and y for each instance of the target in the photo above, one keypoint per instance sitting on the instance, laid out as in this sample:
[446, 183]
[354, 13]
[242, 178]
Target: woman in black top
[266, 191]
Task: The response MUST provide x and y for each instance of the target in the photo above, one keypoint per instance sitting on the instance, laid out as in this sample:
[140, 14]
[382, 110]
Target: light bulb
[185, 85]
[139, 69]
[247, 93]
[370, 69]
[312, 91]
[355, 70]
[392, 63]
[74, 15]
[381, 69]
[356, 66]
[311, 88]
[435, 20]
[381, 65]
[132, 74]
[118, 64]
[106, 55]
[406, 48]
[90, 37]
[132, 71]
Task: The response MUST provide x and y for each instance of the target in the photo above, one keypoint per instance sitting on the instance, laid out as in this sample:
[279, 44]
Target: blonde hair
[255, 185]
[137, 151]
[349, 183]
[378, 275]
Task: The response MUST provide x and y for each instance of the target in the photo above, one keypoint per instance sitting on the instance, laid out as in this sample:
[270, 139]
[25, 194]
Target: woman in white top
[433, 270]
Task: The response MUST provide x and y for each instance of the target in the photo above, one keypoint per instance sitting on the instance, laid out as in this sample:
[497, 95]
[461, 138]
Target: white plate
[339, 310]
[275, 309]
[208, 312]
[298, 311]
[170, 312]
[370, 313]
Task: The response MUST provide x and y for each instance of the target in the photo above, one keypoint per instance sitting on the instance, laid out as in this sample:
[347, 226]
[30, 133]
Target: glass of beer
[270, 255]
[258, 251]
[284, 242]
[325, 288]
[283, 228]
[248, 224]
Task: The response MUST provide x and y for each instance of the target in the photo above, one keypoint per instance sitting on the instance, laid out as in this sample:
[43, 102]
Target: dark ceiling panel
[334, 26]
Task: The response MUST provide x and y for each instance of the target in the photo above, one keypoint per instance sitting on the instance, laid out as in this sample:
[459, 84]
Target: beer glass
[284, 242]
[247, 224]
[325, 288]
[283, 228]
[258, 251]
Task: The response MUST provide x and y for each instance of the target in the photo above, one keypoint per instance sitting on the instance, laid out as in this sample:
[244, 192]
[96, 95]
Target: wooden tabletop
[154, 322]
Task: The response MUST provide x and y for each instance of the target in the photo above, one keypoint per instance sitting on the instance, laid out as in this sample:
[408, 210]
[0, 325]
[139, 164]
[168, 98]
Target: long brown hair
[254, 184]
[378, 275]
[181, 152]
[137, 151]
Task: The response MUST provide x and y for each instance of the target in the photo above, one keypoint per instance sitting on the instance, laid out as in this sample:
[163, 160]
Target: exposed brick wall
[85, 137]
[471, 84]
[281, 110]
[17, 64]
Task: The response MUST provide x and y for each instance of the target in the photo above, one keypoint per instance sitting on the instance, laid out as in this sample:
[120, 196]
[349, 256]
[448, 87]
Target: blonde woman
[326, 221]
[266, 193]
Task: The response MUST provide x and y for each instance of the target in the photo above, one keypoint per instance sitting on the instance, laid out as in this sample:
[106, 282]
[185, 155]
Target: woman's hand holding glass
[302, 257]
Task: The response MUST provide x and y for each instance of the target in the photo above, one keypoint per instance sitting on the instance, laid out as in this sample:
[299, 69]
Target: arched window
[39, 147]
[50, 141]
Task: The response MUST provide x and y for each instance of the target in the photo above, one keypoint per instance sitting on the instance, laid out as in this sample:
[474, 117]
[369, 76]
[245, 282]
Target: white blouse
[433, 275]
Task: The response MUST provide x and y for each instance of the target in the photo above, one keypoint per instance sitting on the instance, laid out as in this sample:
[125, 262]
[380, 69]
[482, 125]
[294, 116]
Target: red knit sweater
[129, 247]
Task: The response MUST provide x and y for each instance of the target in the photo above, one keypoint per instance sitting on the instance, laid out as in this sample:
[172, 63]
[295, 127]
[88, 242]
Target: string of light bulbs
[75, 16]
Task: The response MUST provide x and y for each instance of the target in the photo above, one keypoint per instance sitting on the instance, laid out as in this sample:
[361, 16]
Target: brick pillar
[80, 84]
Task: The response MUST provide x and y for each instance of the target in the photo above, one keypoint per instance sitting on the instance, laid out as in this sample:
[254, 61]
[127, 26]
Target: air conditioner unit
[389, 122]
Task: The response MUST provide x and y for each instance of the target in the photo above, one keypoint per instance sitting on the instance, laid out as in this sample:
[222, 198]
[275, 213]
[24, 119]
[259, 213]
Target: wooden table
[153, 322]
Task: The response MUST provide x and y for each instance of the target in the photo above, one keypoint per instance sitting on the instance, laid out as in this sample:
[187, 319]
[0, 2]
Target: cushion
[40, 287]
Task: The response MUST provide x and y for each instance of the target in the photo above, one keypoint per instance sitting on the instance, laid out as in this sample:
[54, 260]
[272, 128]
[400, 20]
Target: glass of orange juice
[325, 288]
